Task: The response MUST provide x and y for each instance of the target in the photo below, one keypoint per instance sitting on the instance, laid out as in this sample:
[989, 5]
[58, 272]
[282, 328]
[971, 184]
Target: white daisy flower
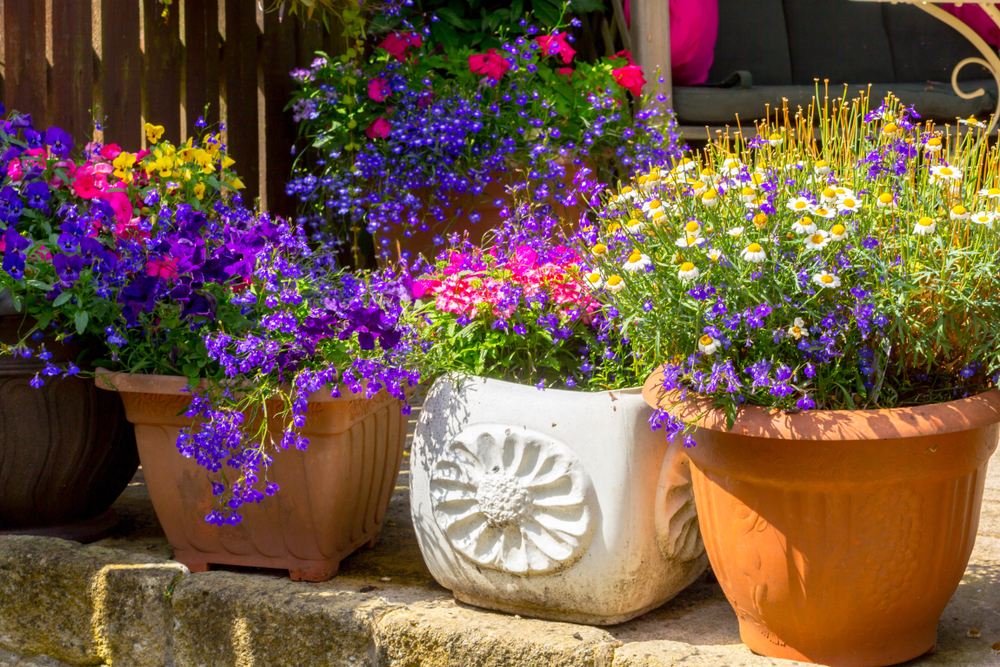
[838, 232]
[886, 200]
[709, 345]
[798, 328]
[799, 205]
[689, 241]
[821, 168]
[989, 193]
[710, 198]
[984, 218]
[972, 122]
[652, 205]
[933, 145]
[924, 226]
[599, 249]
[658, 216]
[626, 197]
[817, 241]
[692, 228]
[944, 173]
[707, 176]
[890, 129]
[844, 193]
[615, 283]
[804, 226]
[594, 280]
[959, 213]
[637, 261]
[828, 196]
[775, 140]
[748, 194]
[735, 231]
[732, 167]
[848, 205]
[824, 212]
[686, 164]
[634, 226]
[715, 255]
[826, 280]
[688, 271]
[753, 253]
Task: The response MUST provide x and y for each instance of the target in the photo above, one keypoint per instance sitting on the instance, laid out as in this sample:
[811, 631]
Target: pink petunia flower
[110, 151]
[378, 89]
[398, 43]
[163, 268]
[379, 128]
[491, 64]
[631, 78]
[558, 45]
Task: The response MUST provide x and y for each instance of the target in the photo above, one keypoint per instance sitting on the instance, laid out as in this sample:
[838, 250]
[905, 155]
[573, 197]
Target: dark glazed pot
[66, 450]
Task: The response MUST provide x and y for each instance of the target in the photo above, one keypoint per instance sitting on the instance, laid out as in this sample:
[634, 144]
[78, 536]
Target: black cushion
[752, 37]
[925, 48]
[702, 105]
[839, 40]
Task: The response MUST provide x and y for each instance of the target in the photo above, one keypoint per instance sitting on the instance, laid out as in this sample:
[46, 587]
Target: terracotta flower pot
[554, 504]
[839, 536]
[333, 495]
[66, 450]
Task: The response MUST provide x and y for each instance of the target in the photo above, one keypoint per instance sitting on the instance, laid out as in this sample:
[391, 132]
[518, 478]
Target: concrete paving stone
[447, 634]
[222, 619]
[84, 605]
[9, 659]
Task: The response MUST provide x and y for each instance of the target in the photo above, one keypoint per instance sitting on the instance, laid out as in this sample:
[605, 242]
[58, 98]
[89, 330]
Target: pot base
[549, 614]
[83, 531]
[299, 569]
[897, 647]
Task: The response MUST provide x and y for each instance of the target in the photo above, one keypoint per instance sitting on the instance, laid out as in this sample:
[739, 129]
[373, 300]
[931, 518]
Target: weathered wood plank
[24, 44]
[278, 59]
[240, 74]
[73, 68]
[121, 82]
[201, 63]
[162, 73]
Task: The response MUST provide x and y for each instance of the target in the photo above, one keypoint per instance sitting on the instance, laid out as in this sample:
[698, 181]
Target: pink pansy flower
[556, 44]
[379, 128]
[378, 89]
[162, 268]
[491, 64]
[631, 78]
[110, 151]
[398, 43]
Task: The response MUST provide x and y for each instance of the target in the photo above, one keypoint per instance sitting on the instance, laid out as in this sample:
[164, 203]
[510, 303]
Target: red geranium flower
[491, 64]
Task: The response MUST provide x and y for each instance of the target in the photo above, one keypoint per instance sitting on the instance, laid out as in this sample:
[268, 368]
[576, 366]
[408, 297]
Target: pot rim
[963, 414]
[458, 376]
[176, 385]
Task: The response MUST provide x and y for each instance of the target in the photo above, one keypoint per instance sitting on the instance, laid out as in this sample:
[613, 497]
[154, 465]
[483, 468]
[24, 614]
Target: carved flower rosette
[513, 499]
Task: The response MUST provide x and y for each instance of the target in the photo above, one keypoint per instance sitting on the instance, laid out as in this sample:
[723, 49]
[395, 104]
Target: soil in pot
[840, 536]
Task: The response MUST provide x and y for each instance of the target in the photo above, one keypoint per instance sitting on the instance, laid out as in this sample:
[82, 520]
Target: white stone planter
[554, 504]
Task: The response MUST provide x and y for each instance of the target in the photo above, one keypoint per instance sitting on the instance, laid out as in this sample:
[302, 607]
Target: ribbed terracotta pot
[333, 496]
[66, 450]
[840, 536]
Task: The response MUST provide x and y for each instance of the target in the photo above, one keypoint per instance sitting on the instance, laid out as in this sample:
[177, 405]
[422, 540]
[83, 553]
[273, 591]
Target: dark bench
[786, 44]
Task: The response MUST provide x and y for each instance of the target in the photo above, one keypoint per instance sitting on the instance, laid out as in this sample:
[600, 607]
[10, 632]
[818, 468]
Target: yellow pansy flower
[153, 132]
[199, 191]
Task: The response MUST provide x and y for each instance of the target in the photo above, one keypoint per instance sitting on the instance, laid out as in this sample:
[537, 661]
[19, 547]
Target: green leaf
[82, 318]
[38, 284]
[61, 299]
[581, 6]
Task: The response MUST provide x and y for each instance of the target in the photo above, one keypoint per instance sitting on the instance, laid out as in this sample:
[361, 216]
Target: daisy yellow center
[691, 240]
[642, 180]
[747, 192]
[801, 205]
[946, 171]
[993, 191]
[775, 137]
[821, 164]
[659, 213]
[594, 278]
[958, 210]
[655, 204]
[817, 238]
[806, 222]
[633, 222]
[614, 280]
[692, 226]
[754, 247]
[706, 340]
[934, 142]
[821, 211]
[838, 229]
[885, 198]
[925, 221]
[613, 227]
[687, 266]
[634, 257]
[889, 129]
[826, 278]
[714, 256]
[829, 192]
[710, 194]
[599, 249]
[760, 219]
[626, 190]
[850, 203]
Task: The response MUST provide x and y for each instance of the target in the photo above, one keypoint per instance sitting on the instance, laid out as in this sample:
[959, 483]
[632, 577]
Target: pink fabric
[694, 27]
[974, 17]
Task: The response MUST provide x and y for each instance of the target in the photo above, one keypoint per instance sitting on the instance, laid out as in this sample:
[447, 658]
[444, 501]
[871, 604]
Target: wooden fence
[61, 59]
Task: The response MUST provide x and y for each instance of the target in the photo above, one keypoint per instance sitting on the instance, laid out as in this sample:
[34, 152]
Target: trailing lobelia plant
[415, 131]
[859, 271]
[234, 300]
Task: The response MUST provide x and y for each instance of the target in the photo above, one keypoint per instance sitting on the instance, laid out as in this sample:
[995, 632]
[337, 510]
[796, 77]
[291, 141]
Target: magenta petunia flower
[378, 89]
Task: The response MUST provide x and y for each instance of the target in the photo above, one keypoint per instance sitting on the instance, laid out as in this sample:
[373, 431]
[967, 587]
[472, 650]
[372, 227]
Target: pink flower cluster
[476, 283]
